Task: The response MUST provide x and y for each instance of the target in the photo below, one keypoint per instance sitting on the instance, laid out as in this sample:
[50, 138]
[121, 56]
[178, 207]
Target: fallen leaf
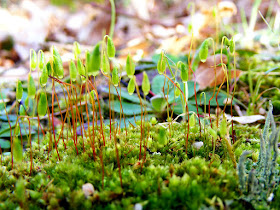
[246, 119]
[205, 73]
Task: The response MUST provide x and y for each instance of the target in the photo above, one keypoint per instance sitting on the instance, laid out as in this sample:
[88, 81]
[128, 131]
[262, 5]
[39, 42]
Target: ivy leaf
[158, 103]
[128, 108]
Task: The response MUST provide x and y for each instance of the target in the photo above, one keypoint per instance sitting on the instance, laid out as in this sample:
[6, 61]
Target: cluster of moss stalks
[150, 165]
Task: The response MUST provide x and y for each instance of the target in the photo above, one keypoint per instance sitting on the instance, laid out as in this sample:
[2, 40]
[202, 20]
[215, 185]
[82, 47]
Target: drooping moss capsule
[184, 72]
[131, 86]
[41, 60]
[44, 77]
[95, 61]
[105, 64]
[31, 87]
[130, 66]
[161, 65]
[43, 104]
[33, 60]
[110, 47]
[203, 52]
[115, 77]
[49, 68]
[57, 64]
[80, 67]
[73, 71]
[19, 91]
[77, 50]
[146, 86]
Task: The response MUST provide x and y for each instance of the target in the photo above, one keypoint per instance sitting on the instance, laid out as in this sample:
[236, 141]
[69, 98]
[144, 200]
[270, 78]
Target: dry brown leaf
[246, 119]
[205, 73]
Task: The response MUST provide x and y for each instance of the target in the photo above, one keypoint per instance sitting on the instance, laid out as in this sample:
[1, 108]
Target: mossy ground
[168, 178]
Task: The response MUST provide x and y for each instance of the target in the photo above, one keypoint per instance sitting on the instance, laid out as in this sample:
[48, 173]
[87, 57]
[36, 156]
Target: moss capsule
[95, 61]
[43, 104]
[33, 60]
[44, 77]
[184, 72]
[31, 87]
[130, 67]
[19, 91]
[77, 50]
[115, 77]
[105, 64]
[17, 148]
[73, 71]
[177, 90]
[192, 121]
[146, 86]
[161, 65]
[203, 52]
[223, 127]
[57, 64]
[231, 46]
[41, 60]
[110, 47]
[80, 67]
[131, 86]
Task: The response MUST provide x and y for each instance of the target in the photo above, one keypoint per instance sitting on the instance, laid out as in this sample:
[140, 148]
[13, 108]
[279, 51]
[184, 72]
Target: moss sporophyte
[120, 145]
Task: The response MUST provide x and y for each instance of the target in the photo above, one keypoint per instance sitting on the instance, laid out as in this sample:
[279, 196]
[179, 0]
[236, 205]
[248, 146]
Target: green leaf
[124, 94]
[128, 108]
[5, 144]
[221, 98]
[130, 120]
[12, 117]
[158, 102]
[178, 109]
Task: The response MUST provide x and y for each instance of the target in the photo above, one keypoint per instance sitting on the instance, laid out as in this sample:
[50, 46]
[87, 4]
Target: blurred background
[142, 27]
